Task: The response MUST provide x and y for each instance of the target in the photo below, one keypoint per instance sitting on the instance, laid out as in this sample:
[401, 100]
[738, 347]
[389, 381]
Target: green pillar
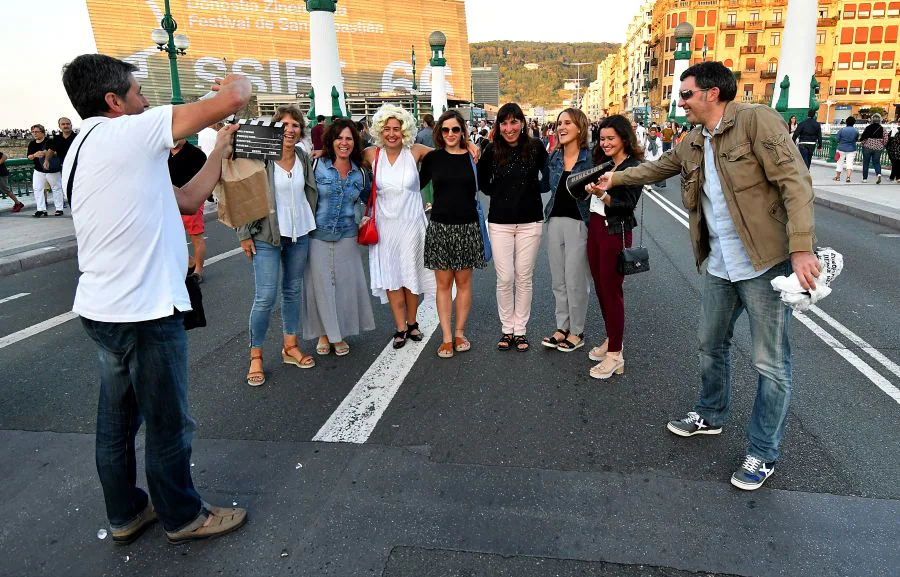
[312, 106]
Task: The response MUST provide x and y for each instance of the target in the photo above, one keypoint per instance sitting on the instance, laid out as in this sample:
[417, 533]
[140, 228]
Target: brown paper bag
[243, 192]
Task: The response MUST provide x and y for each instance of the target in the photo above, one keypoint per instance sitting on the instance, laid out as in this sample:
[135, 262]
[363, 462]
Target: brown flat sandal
[445, 351]
[305, 362]
[461, 344]
[256, 378]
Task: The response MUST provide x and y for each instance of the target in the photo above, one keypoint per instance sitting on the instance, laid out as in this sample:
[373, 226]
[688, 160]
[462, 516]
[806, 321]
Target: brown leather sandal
[256, 378]
[445, 351]
[305, 362]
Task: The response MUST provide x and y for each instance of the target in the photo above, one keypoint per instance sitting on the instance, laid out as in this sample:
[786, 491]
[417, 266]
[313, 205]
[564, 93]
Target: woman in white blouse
[278, 246]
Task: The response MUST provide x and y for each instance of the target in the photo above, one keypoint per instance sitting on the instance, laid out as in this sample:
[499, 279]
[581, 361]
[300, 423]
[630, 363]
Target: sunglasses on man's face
[686, 94]
[449, 129]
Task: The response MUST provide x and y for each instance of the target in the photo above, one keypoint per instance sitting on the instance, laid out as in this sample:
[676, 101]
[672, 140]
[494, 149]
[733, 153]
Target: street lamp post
[415, 88]
[173, 44]
[577, 66]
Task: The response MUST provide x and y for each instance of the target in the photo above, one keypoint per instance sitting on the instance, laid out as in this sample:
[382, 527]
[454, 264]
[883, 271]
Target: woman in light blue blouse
[337, 298]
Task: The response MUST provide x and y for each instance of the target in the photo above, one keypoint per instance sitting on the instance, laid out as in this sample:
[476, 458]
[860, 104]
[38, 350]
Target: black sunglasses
[449, 129]
[686, 94]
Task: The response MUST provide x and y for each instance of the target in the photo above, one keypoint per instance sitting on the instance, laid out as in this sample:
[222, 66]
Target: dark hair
[294, 112]
[623, 128]
[39, 127]
[428, 120]
[713, 75]
[502, 149]
[580, 121]
[436, 132]
[335, 130]
[812, 113]
[90, 77]
[850, 121]
[320, 118]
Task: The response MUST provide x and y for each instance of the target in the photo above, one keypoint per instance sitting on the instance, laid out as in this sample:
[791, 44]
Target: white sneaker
[878, 179]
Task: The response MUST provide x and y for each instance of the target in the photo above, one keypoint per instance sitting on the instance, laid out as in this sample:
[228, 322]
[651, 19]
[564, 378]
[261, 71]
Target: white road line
[674, 206]
[35, 329]
[65, 317]
[856, 340]
[223, 256]
[14, 297]
[359, 413]
[825, 336]
[863, 367]
[676, 216]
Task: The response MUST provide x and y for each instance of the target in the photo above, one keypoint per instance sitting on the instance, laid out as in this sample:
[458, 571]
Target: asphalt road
[489, 463]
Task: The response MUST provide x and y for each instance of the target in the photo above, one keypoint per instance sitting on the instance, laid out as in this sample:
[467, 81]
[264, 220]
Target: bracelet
[603, 197]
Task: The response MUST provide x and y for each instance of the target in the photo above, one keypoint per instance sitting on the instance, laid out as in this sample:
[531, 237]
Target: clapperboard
[258, 139]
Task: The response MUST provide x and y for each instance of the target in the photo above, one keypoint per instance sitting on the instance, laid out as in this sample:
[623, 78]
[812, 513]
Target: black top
[872, 131]
[3, 170]
[515, 187]
[34, 146]
[624, 199]
[454, 186]
[808, 131]
[61, 144]
[564, 203]
[186, 164]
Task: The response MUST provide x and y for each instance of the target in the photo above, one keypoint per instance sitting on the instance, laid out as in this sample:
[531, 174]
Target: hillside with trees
[542, 86]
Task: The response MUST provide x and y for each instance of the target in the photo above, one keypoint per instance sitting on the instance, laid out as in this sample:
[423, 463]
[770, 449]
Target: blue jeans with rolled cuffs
[143, 379]
[721, 303]
[289, 262]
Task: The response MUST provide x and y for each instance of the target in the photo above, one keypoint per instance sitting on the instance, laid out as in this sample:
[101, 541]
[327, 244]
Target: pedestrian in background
[792, 124]
[337, 297]
[131, 294]
[667, 136]
[609, 231]
[397, 262]
[808, 137]
[48, 172]
[893, 150]
[425, 137]
[846, 148]
[4, 184]
[453, 242]
[278, 246]
[653, 149]
[317, 133]
[513, 171]
[185, 161]
[873, 139]
[567, 232]
[773, 212]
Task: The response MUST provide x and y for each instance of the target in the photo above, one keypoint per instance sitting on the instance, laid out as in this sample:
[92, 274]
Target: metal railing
[829, 146]
[20, 171]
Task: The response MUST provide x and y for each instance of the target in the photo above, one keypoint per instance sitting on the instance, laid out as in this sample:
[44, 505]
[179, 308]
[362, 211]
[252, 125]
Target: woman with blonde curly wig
[396, 263]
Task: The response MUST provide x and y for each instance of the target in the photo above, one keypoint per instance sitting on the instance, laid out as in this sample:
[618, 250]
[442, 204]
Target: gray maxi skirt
[337, 297]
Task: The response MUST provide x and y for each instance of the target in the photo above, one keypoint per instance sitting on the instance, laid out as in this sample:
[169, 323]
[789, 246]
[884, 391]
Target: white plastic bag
[800, 299]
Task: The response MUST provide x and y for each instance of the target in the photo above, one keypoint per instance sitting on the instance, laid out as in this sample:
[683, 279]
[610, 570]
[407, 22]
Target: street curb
[66, 249]
[864, 210]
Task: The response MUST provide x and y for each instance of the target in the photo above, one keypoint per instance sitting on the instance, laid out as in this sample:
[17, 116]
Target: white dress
[398, 259]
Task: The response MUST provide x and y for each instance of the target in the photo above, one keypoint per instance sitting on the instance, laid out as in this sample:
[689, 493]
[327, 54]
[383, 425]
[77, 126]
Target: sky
[35, 46]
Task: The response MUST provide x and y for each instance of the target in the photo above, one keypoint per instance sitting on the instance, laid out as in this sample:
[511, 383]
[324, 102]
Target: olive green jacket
[266, 229]
[765, 182]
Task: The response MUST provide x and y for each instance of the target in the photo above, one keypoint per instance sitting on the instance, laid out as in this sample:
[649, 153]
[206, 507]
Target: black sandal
[398, 344]
[521, 343]
[568, 346]
[551, 342]
[505, 342]
[409, 332]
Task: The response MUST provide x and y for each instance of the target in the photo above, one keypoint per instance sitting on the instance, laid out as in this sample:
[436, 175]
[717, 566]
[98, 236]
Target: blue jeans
[721, 303]
[290, 260]
[143, 379]
[873, 157]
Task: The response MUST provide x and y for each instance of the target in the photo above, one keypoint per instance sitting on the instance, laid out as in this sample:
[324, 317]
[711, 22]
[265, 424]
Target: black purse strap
[75, 165]
[640, 224]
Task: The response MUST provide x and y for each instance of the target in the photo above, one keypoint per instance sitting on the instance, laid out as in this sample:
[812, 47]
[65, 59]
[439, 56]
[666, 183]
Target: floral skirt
[453, 246]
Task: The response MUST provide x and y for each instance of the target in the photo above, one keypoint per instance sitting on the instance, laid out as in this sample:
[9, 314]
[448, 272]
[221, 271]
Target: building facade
[856, 54]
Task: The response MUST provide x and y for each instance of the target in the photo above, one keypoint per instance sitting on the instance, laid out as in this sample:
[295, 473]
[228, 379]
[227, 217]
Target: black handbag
[635, 259]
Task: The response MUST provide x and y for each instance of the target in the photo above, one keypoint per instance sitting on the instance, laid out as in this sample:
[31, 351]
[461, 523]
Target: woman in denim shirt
[567, 220]
[846, 148]
[337, 298]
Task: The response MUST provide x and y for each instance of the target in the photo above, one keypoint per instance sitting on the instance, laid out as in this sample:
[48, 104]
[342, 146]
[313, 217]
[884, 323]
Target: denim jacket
[584, 162]
[336, 210]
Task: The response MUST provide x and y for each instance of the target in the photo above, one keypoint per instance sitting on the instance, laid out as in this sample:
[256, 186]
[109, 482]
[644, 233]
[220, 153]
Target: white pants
[515, 249]
[845, 159]
[38, 180]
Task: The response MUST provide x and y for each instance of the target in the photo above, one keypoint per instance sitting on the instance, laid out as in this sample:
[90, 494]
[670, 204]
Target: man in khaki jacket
[750, 201]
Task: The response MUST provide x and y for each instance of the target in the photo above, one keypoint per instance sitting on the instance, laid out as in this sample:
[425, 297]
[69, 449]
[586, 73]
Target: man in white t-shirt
[131, 295]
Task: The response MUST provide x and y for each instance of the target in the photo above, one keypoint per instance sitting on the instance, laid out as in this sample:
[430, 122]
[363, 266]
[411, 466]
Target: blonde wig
[385, 113]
